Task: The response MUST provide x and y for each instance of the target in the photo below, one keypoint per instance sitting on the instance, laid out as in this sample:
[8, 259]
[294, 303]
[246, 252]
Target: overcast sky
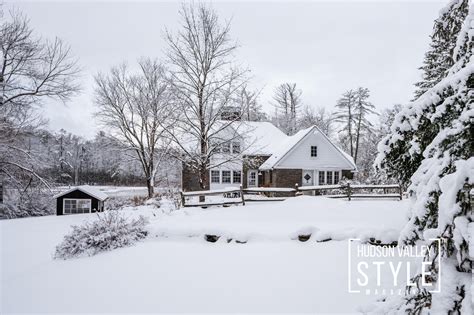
[324, 47]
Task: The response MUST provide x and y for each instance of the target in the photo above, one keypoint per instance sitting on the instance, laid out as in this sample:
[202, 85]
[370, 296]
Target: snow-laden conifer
[439, 58]
[430, 146]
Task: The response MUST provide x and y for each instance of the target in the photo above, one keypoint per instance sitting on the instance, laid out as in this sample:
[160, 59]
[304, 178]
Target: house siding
[286, 177]
[77, 194]
[282, 178]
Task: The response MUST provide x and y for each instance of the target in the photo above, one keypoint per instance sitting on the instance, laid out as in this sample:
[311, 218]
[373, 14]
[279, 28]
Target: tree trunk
[357, 138]
[150, 187]
[1, 192]
[203, 180]
[349, 127]
[76, 176]
[2, 87]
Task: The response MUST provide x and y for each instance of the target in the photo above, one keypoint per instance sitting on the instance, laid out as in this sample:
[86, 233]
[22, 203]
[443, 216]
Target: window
[329, 177]
[225, 177]
[336, 177]
[215, 177]
[225, 147]
[314, 151]
[235, 147]
[73, 206]
[321, 177]
[252, 179]
[236, 177]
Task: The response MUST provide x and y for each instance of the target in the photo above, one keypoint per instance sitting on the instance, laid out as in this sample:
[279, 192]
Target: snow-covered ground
[175, 270]
[328, 218]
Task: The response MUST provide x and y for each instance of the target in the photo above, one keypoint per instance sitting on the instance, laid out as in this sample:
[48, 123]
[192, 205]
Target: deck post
[349, 191]
[400, 191]
[296, 189]
[242, 195]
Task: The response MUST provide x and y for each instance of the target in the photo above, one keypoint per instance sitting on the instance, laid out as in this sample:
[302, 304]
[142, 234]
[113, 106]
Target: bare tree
[70, 152]
[287, 101]
[251, 108]
[319, 116]
[205, 84]
[135, 109]
[31, 70]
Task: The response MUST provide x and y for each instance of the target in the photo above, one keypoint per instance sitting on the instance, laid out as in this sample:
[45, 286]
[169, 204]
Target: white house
[263, 156]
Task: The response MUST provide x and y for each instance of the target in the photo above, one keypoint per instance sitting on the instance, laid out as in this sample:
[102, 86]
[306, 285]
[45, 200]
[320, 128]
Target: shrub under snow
[109, 231]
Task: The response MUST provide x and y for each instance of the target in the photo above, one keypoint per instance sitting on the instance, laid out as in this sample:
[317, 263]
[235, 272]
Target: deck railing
[240, 195]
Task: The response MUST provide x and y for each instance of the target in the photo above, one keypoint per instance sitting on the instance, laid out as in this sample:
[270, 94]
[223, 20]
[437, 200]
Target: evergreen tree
[439, 58]
[431, 147]
[363, 109]
[345, 115]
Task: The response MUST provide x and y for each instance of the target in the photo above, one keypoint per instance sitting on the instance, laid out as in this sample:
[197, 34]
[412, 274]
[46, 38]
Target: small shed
[80, 199]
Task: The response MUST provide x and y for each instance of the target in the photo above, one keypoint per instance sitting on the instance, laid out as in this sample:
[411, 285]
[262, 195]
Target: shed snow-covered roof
[292, 141]
[92, 191]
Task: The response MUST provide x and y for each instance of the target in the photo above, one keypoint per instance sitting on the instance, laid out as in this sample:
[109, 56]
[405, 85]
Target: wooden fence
[240, 195]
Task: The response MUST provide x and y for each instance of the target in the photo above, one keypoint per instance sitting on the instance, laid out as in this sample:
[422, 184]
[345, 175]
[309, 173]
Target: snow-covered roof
[290, 142]
[92, 191]
[284, 147]
[260, 137]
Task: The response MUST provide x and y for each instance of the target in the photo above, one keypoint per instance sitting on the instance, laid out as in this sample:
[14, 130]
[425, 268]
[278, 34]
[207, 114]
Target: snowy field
[176, 270]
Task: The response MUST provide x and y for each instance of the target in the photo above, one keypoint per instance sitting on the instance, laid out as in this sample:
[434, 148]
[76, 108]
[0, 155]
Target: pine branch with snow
[439, 59]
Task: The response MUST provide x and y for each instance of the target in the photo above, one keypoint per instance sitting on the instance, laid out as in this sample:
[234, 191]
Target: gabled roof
[291, 142]
[285, 146]
[92, 191]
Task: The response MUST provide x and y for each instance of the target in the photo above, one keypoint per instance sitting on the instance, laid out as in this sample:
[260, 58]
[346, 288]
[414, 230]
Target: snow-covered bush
[171, 197]
[109, 231]
[120, 202]
[27, 203]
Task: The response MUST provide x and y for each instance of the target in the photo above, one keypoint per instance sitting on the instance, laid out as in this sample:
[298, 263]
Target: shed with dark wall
[80, 199]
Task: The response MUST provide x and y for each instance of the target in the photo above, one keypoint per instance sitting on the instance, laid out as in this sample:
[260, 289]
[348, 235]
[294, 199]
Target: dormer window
[314, 151]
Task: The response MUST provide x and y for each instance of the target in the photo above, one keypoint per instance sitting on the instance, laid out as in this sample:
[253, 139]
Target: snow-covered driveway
[271, 273]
